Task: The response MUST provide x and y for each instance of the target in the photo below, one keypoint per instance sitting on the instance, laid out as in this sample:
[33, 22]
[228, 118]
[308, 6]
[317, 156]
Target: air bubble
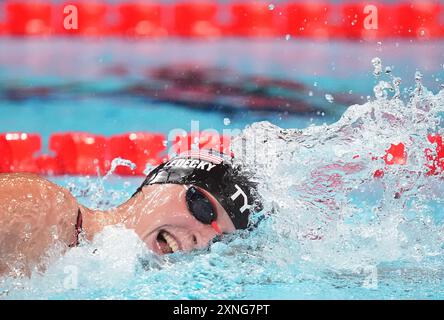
[329, 98]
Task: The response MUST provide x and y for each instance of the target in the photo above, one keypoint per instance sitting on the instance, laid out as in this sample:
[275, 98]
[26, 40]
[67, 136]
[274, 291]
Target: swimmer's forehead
[177, 188]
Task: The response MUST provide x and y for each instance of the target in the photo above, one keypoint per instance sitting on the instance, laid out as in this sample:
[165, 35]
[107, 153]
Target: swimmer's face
[162, 220]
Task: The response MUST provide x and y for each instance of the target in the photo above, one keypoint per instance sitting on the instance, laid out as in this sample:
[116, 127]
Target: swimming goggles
[201, 208]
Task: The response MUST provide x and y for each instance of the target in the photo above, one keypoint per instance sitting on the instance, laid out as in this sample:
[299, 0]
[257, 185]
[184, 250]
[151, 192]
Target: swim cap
[216, 174]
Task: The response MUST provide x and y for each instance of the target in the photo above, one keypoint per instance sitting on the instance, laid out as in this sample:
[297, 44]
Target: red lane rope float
[319, 19]
[419, 19]
[396, 154]
[140, 19]
[196, 19]
[201, 140]
[79, 153]
[28, 18]
[141, 148]
[48, 165]
[355, 16]
[435, 157]
[2, 29]
[5, 155]
[18, 150]
[253, 19]
[88, 154]
[92, 19]
[310, 20]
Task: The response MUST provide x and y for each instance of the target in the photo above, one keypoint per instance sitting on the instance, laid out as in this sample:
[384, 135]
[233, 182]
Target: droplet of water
[379, 48]
[271, 7]
[418, 76]
[377, 65]
[329, 98]
[418, 80]
[396, 86]
[287, 37]
[227, 121]
[310, 93]
[380, 89]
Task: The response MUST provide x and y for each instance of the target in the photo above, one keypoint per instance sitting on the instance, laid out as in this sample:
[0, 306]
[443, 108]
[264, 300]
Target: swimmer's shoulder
[25, 181]
[18, 187]
[35, 213]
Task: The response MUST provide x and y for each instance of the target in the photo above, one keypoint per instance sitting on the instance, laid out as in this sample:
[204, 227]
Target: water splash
[92, 192]
[331, 208]
[119, 162]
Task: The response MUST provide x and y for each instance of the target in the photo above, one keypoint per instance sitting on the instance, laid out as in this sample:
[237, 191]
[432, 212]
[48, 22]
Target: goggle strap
[216, 227]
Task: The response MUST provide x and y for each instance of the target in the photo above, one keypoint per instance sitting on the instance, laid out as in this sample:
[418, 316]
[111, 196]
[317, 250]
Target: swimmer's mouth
[167, 243]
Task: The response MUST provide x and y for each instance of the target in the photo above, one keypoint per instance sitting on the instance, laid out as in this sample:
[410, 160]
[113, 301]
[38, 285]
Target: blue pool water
[85, 68]
[368, 244]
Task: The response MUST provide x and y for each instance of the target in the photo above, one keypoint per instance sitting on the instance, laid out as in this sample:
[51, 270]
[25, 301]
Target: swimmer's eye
[200, 206]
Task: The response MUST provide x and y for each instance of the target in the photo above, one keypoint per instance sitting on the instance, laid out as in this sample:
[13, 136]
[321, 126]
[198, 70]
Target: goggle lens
[201, 208]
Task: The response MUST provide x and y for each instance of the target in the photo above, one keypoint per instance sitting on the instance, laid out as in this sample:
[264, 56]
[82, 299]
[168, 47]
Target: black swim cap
[216, 174]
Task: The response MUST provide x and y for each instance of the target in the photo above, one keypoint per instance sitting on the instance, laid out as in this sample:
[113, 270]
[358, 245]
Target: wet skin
[37, 215]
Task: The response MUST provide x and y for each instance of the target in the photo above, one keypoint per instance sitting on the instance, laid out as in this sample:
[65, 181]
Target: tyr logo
[238, 193]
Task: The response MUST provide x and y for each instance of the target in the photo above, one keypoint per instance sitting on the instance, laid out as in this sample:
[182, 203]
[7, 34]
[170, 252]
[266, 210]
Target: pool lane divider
[189, 19]
[79, 153]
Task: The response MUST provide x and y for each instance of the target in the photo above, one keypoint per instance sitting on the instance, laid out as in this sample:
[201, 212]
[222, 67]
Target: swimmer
[182, 205]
